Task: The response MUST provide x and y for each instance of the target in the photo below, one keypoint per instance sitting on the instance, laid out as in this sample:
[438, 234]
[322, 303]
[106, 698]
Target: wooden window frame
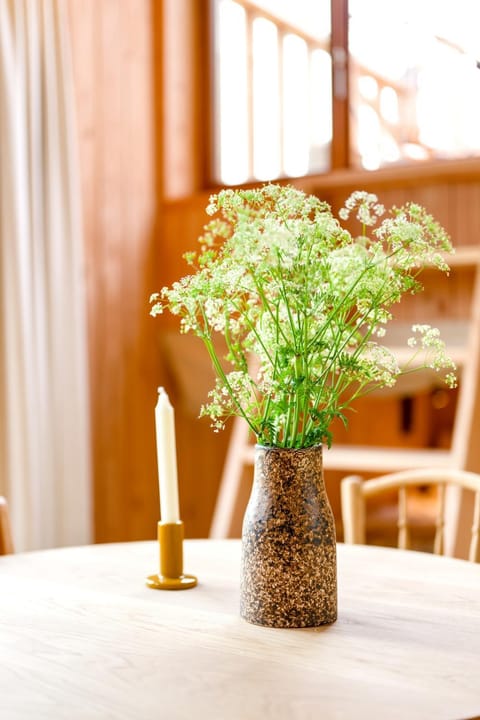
[184, 34]
[340, 146]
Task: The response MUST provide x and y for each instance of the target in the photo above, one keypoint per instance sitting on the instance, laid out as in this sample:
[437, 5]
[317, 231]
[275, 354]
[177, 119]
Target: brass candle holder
[171, 576]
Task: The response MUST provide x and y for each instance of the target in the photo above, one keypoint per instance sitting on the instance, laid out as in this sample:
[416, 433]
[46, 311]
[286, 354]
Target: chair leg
[353, 510]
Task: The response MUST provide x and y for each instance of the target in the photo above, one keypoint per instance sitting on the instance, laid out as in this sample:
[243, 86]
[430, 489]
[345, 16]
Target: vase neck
[289, 470]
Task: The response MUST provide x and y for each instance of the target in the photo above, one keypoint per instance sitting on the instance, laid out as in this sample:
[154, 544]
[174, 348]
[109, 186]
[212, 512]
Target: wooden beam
[340, 157]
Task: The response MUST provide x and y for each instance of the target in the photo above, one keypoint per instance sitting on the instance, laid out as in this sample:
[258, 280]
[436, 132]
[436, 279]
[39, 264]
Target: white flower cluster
[280, 279]
[381, 363]
[368, 207]
[433, 349]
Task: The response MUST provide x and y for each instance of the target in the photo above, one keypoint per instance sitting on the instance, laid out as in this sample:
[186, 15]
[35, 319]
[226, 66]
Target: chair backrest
[355, 491]
[6, 539]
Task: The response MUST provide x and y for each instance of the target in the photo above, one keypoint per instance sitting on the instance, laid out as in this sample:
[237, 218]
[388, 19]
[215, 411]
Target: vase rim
[259, 446]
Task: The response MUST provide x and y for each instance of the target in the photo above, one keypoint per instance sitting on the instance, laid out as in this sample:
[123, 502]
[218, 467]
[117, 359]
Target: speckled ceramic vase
[289, 568]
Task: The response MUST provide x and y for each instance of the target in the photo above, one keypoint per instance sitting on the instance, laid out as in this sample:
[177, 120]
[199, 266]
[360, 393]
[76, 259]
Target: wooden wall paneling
[189, 377]
[340, 152]
[112, 54]
[438, 200]
[182, 224]
[401, 430]
[186, 88]
[144, 367]
[467, 212]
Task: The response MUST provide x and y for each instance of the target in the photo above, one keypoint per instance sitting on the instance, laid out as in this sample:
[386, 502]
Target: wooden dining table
[83, 638]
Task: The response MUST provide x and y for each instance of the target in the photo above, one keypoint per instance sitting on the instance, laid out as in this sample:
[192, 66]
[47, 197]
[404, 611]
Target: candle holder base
[159, 582]
[171, 575]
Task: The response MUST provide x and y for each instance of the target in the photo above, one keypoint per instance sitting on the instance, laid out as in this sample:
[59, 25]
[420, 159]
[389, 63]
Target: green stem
[207, 340]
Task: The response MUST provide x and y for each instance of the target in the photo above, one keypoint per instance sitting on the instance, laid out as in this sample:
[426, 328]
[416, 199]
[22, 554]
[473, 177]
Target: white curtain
[44, 429]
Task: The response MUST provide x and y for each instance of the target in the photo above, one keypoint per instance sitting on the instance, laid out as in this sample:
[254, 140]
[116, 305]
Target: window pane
[320, 111]
[273, 108]
[266, 101]
[295, 106]
[231, 93]
[415, 82]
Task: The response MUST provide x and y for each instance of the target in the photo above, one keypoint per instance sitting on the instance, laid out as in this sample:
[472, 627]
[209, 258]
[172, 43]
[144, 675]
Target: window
[272, 89]
[413, 90]
[415, 80]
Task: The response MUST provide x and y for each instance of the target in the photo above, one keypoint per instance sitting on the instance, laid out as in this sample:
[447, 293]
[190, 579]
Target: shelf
[376, 459]
[454, 333]
[464, 256]
[373, 459]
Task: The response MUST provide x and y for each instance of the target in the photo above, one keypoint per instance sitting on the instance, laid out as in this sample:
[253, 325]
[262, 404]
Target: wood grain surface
[82, 637]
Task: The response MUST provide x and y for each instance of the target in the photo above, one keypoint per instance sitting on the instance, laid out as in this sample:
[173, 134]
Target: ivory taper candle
[166, 459]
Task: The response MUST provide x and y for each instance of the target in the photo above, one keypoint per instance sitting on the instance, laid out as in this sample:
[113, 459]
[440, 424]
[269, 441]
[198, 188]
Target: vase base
[160, 582]
[290, 626]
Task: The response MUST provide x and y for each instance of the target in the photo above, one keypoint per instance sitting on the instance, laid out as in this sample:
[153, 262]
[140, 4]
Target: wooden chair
[355, 492]
[6, 539]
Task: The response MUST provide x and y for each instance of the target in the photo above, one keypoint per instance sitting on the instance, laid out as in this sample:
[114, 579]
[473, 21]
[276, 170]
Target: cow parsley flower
[304, 306]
